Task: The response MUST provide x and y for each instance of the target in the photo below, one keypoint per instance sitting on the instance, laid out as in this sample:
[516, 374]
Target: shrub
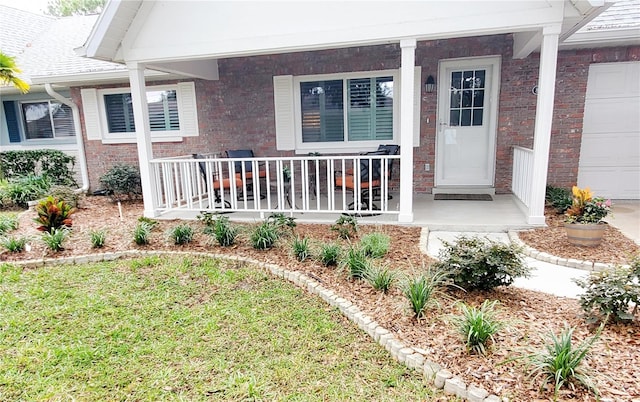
[265, 235]
[28, 188]
[476, 263]
[611, 293]
[8, 222]
[562, 363]
[301, 249]
[122, 182]
[53, 214]
[381, 279]
[14, 244]
[329, 254]
[65, 193]
[181, 234]
[222, 231]
[375, 245]
[477, 325]
[207, 218]
[55, 238]
[151, 222]
[54, 164]
[422, 290]
[282, 222]
[346, 226]
[356, 263]
[142, 233]
[559, 198]
[5, 199]
[98, 238]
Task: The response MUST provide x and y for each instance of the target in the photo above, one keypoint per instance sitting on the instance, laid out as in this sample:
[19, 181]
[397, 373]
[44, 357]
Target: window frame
[166, 135]
[23, 121]
[344, 146]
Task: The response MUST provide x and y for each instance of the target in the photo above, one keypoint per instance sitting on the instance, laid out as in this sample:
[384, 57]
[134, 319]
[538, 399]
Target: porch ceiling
[136, 30]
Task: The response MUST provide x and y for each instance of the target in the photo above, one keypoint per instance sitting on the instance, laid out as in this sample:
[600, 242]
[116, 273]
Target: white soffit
[205, 69]
[211, 29]
[577, 13]
[114, 21]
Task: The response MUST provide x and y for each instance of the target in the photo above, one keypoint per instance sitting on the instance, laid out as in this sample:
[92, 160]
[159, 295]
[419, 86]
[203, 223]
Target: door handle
[442, 125]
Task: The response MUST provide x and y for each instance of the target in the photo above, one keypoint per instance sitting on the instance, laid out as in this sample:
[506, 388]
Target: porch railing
[318, 184]
[521, 180]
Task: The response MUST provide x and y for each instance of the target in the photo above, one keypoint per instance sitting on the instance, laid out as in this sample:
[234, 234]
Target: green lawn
[183, 329]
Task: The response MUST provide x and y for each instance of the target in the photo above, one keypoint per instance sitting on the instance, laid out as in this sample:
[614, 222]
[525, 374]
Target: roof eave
[78, 79]
[603, 38]
[96, 44]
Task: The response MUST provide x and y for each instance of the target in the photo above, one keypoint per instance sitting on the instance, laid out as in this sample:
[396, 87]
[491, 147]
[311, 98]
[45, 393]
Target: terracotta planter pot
[585, 234]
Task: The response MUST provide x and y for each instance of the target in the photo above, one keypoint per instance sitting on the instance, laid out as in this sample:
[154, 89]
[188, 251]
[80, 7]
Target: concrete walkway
[625, 215]
[546, 277]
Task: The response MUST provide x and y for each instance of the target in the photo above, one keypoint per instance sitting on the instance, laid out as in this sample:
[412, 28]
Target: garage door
[610, 150]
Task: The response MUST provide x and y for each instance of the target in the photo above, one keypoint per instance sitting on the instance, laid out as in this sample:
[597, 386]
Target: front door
[467, 110]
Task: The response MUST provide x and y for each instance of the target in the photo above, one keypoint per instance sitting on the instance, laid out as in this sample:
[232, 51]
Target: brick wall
[236, 112]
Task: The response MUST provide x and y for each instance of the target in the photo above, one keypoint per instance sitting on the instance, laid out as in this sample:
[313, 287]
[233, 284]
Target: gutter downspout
[82, 159]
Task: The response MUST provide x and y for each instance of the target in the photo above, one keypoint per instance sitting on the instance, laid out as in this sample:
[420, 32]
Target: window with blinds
[163, 111]
[322, 111]
[47, 120]
[368, 114]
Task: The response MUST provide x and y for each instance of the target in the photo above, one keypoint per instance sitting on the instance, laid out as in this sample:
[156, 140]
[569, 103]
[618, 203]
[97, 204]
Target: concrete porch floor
[500, 215]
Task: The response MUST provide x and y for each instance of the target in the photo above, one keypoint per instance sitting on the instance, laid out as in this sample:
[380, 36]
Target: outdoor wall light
[430, 84]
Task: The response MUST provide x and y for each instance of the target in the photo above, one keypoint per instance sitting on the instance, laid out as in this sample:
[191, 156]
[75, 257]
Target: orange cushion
[226, 183]
[249, 175]
[349, 182]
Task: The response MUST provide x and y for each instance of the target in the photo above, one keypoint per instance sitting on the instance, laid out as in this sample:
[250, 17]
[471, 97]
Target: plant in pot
[584, 219]
[286, 173]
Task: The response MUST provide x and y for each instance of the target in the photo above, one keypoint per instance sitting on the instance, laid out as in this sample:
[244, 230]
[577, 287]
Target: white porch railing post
[544, 119]
[143, 137]
[407, 66]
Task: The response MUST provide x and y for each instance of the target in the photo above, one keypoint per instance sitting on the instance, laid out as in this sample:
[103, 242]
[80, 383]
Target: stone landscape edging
[591, 266]
[412, 357]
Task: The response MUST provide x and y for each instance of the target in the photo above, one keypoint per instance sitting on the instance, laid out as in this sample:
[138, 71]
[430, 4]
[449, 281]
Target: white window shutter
[187, 109]
[417, 102]
[285, 112]
[91, 113]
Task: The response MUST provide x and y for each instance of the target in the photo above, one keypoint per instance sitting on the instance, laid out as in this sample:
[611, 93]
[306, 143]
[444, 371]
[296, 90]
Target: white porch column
[407, 95]
[143, 136]
[544, 119]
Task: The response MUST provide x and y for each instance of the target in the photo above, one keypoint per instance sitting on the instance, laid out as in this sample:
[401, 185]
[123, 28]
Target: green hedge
[55, 165]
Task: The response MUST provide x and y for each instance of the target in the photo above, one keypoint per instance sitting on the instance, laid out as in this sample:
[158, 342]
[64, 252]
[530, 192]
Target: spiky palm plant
[9, 73]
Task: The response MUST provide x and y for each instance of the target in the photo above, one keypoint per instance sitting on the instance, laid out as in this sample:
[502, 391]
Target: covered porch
[305, 188]
[499, 215]
[258, 75]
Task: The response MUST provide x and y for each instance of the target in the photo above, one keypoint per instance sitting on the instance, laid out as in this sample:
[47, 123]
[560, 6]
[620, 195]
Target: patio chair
[247, 175]
[217, 184]
[391, 149]
[370, 180]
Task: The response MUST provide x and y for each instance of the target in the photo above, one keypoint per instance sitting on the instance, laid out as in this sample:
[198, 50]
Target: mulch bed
[529, 315]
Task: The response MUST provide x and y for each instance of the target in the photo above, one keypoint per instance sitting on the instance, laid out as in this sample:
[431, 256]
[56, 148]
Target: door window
[467, 98]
